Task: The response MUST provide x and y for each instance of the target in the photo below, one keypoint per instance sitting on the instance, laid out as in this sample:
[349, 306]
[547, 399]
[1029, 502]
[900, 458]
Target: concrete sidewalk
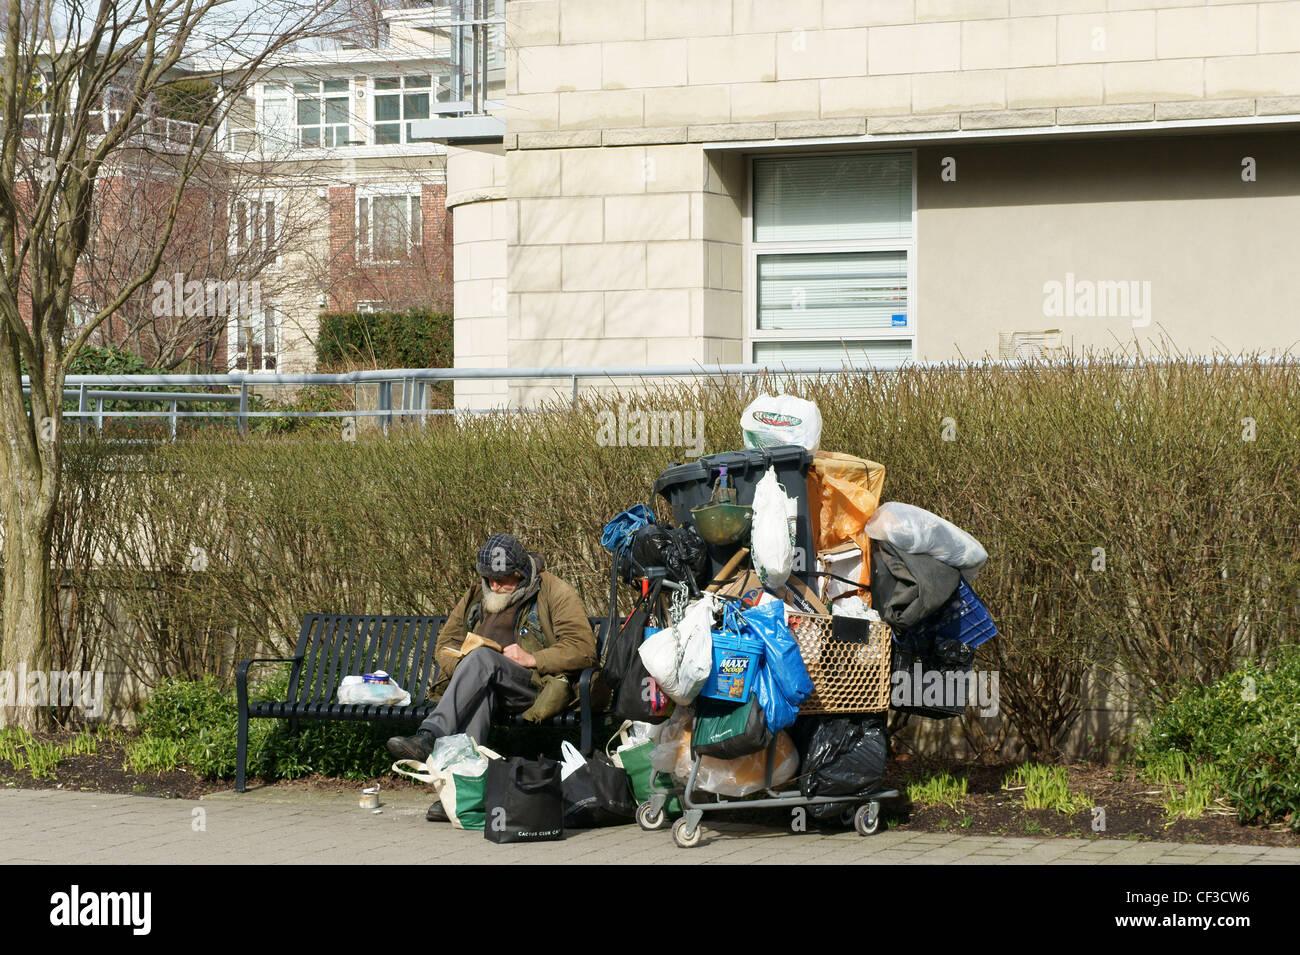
[271, 826]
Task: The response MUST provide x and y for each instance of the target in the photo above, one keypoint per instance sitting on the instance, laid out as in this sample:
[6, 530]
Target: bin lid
[706, 468]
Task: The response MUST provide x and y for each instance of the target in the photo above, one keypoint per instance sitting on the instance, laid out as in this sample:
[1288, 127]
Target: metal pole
[386, 403]
[574, 400]
[99, 414]
[173, 420]
[81, 411]
[243, 407]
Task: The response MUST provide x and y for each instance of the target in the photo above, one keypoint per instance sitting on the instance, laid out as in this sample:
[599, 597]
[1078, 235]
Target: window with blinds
[833, 253]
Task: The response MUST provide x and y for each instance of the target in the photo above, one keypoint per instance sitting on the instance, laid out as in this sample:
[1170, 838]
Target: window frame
[277, 198]
[321, 96]
[753, 250]
[365, 238]
[403, 122]
[233, 351]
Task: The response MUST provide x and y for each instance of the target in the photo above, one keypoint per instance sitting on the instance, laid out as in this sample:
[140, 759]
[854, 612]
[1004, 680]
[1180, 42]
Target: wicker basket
[848, 660]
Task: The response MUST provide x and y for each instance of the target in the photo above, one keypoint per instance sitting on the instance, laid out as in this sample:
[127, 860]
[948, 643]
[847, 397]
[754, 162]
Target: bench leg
[241, 754]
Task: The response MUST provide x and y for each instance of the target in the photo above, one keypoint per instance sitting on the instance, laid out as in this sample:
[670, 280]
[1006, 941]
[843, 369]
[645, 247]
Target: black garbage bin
[685, 486]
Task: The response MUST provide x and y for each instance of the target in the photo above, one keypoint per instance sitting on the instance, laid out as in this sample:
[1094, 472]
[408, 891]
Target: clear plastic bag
[726, 777]
[917, 531]
[457, 754]
[748, 774]
[672, 752]
[771, 541]
[354, 689]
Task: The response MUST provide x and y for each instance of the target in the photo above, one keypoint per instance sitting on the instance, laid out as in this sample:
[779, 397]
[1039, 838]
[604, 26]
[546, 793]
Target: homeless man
[540, 624]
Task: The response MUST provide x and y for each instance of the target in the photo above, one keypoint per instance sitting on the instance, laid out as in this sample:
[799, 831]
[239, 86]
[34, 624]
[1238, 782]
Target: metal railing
[413, 385]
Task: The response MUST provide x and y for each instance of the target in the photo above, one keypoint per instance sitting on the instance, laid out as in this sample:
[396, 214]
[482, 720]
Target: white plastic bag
[570, 760]
[771, 543]
[854, 607]
[917, 531]
[680, 658]
[354, 689]
[782, 419]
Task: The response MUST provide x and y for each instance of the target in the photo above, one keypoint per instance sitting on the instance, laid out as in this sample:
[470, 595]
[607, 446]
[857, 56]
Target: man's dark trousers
[482, 682]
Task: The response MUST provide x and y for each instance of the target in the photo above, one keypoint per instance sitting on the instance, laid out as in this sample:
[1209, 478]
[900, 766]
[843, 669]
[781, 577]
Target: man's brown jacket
[570, 643]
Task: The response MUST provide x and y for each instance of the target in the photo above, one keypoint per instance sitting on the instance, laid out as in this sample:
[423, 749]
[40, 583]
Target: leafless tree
[78, 78]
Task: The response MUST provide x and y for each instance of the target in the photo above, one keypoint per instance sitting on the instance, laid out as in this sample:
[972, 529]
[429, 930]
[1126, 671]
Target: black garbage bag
[679, 550]
[844, 756]
[597, 794]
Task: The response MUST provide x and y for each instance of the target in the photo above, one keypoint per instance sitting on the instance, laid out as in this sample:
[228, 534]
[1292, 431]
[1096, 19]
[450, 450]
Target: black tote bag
[523, 800]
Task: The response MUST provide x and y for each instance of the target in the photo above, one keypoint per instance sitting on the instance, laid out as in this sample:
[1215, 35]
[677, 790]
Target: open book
[472, 642]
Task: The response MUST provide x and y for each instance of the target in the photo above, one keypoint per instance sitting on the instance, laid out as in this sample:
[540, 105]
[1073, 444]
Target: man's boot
[417, 747]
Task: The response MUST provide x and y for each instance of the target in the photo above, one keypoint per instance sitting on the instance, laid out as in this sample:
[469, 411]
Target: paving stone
[253, 828]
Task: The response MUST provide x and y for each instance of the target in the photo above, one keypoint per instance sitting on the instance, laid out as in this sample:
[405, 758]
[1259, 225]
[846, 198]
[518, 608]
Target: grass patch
[1047, 787]
[942, 789]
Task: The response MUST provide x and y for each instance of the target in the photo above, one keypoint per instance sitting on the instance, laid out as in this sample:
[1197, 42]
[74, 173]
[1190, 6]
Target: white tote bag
[680, 658]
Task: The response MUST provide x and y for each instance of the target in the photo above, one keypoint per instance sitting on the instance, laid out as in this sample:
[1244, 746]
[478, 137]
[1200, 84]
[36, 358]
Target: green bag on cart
[635, 761]
[729, 730]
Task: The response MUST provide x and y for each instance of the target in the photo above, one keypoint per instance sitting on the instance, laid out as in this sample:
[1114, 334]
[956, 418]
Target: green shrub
[1050, 465]
[1239, 737]
[194, 723]
[418, 338]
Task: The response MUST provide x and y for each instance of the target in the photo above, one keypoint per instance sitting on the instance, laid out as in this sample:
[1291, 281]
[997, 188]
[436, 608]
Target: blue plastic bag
[624, 526]
[783, 682]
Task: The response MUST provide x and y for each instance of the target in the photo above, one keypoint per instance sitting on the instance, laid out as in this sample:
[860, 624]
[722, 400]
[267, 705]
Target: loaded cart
[848, 661]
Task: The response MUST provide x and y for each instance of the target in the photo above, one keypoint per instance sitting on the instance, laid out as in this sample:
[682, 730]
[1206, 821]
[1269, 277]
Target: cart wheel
[846, 816]
[682, 839]
[650, 821]
[867, 819]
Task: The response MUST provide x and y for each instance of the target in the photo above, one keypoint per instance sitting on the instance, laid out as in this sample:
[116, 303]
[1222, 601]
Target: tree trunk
[24, 636]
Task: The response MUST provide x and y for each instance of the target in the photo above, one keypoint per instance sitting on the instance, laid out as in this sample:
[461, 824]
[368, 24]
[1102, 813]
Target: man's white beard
[494, 602]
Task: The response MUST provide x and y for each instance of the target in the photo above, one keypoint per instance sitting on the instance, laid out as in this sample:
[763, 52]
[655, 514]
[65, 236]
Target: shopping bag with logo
[523, 800]
[728, 730]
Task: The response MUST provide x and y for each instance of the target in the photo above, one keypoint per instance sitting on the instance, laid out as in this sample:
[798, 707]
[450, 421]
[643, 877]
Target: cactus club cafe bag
[524, 801]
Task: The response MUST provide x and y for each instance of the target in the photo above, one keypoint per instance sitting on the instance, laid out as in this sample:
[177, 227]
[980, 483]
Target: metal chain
[677, 607]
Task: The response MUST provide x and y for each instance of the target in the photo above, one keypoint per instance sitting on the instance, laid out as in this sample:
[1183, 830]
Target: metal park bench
[331, 646]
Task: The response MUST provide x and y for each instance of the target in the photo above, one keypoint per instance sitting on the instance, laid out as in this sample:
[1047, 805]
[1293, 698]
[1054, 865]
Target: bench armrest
[241, 676]
[584, 704]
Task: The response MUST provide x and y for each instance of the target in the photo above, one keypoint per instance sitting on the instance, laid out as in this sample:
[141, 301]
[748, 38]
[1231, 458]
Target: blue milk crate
[963, 618]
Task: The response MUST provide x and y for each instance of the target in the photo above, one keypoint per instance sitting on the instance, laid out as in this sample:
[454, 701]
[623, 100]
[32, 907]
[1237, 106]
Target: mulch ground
[1132, 806]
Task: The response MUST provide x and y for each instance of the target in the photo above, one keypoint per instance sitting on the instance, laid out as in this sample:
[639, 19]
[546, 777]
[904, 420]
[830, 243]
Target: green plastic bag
[636, 763]
[729, 730]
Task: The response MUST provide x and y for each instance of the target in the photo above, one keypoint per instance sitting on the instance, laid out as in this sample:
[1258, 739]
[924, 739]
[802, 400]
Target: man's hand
[519, 655]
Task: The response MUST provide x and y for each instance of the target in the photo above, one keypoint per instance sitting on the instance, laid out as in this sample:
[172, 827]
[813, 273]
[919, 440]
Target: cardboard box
[749, 586]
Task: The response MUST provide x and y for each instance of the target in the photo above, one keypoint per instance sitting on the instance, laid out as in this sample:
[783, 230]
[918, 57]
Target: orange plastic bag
[843, 492]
